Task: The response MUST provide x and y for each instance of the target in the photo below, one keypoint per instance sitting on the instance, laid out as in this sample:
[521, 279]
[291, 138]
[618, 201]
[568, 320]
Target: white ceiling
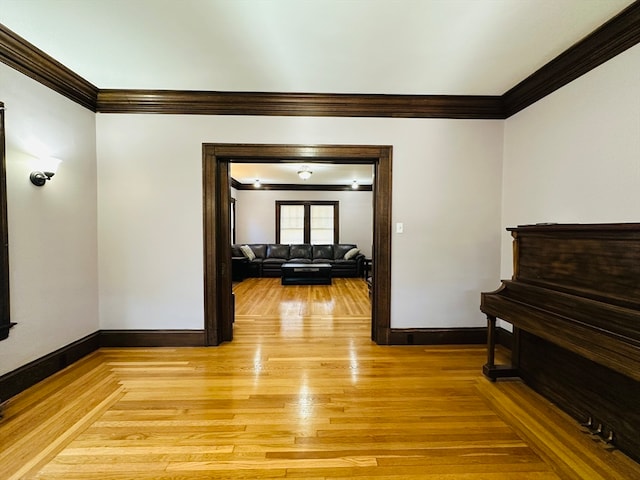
[455, 47]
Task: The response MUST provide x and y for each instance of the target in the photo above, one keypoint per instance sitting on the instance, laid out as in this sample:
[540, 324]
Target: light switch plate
[399, 227]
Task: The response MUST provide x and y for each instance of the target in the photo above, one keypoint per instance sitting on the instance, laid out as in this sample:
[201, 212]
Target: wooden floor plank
[301, 393]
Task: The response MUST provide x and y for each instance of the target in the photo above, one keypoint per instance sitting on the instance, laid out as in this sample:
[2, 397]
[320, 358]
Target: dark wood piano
[574, 303]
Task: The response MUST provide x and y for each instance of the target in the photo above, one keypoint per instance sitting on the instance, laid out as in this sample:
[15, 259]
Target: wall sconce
[256, 184]
[46, 168]
[354, 185]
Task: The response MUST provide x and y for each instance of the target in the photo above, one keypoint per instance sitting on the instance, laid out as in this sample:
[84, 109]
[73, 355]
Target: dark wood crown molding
[236, 184]
[33, 62]
[612, 38]
[299, 104]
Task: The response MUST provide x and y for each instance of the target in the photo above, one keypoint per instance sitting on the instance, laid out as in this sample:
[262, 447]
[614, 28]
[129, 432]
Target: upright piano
[574, 304]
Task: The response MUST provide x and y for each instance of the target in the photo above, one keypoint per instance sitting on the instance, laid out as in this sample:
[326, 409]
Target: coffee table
[306, 274]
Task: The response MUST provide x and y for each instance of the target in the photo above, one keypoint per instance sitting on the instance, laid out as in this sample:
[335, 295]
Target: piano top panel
[592, 228]
[598, 261]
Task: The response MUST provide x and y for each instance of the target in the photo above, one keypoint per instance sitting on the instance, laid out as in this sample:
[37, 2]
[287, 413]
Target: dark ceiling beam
[22, 56]
[300, 187]
[612, 38]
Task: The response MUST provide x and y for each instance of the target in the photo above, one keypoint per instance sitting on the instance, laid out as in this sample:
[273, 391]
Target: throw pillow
[247, 252]
[351, 253]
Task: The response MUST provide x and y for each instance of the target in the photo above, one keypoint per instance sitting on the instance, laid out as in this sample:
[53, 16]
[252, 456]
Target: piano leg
[490, 369]
[515, 349]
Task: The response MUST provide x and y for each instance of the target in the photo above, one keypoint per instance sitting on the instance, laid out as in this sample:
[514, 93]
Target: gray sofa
[269, 257]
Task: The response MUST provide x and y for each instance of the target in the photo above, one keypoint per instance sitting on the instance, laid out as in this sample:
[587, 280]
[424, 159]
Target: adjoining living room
[302, 238]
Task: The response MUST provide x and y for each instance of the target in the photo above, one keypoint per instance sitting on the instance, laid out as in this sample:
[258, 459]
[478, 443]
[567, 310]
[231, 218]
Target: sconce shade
[40, 178]
[45, 168]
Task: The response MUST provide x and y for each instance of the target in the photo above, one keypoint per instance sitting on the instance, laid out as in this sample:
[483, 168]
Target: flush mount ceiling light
[304, 173]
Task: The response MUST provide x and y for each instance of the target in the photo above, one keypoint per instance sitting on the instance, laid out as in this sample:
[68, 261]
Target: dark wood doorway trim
[218, 300]
[5, 311]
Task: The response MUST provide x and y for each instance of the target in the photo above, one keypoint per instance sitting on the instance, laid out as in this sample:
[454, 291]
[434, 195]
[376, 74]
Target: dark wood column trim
[381, 298]
[33, 62]
[299, 104]
[218, 299]
[612, 38]
[5, 297]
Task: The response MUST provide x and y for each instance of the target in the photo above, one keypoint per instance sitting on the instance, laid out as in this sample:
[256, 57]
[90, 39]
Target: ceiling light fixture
[304, 173]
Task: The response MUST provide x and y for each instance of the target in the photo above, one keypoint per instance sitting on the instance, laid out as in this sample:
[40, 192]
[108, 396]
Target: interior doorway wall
[218, 299]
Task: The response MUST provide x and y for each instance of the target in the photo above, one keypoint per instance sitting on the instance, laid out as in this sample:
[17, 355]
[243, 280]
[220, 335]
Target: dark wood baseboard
[448, 336]
[438, 336]
[33, 372]
[152, 338]
[28, 375]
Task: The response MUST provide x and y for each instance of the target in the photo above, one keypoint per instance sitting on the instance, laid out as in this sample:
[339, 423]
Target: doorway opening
[218, 299]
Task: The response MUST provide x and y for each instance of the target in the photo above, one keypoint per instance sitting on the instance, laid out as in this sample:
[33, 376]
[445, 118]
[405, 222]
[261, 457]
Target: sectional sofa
[265, 259]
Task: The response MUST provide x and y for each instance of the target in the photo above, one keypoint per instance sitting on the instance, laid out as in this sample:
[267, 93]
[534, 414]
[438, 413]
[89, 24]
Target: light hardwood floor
[301, 392]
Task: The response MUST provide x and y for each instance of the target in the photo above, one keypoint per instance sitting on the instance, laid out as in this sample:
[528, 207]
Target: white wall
[574, 156]
[256, 212]
[446, 190]
[52, 229]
